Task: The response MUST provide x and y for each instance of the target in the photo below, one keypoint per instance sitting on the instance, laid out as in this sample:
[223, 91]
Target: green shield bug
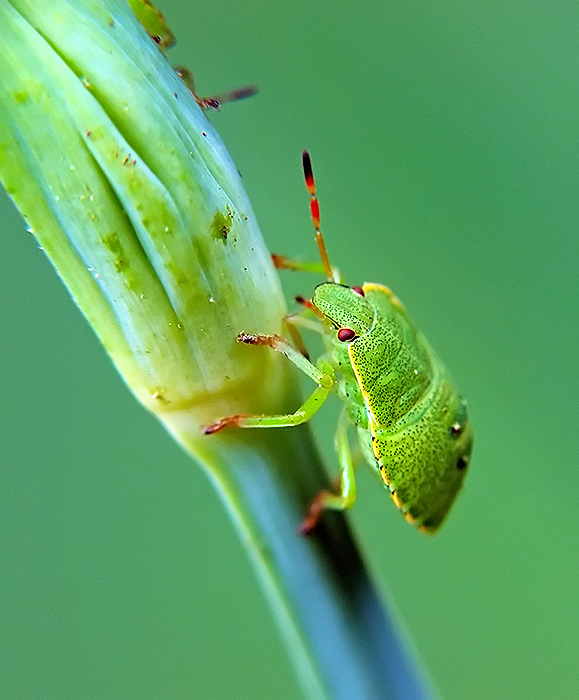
[412, 425]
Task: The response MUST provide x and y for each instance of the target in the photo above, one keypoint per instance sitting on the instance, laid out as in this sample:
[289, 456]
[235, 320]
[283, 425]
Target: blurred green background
[445, 147]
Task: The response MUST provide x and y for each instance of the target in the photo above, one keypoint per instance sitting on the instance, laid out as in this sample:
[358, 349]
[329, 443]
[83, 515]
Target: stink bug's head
[344, 306]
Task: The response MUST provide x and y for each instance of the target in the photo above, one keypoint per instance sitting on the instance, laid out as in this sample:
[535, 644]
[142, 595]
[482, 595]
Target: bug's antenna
[315, 209]
[216, 101]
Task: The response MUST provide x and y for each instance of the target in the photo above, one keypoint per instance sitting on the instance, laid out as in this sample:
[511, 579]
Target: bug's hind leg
[347, 495]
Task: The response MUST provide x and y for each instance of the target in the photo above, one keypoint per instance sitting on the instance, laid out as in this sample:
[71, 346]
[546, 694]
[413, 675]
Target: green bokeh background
[445, 146]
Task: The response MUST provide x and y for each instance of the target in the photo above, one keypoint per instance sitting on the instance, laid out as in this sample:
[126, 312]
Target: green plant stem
[345, 644]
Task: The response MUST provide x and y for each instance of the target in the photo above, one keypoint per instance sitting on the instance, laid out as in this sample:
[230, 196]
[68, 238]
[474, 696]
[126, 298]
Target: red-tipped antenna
[315, 209]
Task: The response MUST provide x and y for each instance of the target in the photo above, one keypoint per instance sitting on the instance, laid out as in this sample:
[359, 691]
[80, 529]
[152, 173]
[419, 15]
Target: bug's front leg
[282, 262]
[347, 495]
[323, 375]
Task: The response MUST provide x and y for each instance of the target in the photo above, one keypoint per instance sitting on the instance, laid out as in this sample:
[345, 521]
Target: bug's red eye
[346, 334]
[359, 291]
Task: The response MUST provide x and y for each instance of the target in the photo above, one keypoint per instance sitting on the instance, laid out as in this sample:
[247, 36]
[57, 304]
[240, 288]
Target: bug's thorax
[384, 356]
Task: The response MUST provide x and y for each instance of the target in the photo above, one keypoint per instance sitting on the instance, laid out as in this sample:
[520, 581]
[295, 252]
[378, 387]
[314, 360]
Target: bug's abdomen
[424, 458]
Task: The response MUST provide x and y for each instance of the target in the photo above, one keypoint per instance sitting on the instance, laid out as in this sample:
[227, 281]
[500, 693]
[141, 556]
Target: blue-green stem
[345, 641]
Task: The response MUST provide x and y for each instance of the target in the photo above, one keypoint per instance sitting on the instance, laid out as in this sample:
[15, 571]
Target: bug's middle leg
[323, 375]
[347, 495]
